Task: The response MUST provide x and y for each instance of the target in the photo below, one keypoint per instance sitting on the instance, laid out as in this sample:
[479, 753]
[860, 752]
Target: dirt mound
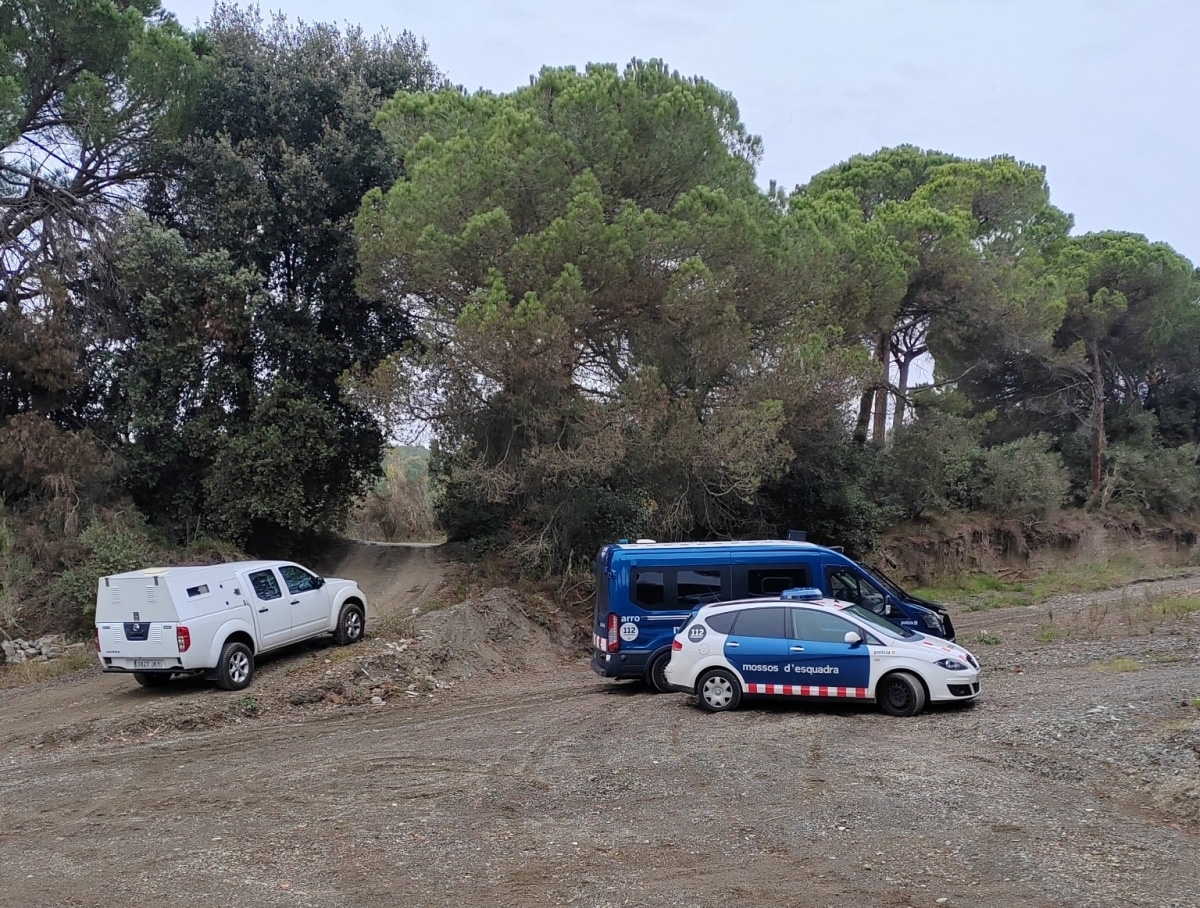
[485, 635]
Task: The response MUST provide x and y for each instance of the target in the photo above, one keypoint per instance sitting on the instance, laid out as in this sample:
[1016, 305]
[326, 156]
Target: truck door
[272, 614]
[309, 601]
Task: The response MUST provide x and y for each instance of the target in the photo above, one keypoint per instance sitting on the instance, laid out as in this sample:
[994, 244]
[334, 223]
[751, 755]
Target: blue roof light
[802, 592]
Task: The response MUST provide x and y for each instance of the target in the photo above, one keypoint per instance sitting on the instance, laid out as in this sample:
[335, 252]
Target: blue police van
[646, 591]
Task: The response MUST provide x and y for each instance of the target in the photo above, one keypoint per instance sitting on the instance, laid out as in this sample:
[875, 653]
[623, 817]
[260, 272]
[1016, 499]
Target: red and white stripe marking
[601, 643]
[806, 690]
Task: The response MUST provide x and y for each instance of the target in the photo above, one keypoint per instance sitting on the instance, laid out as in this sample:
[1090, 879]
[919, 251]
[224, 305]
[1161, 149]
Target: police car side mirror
[852, 638]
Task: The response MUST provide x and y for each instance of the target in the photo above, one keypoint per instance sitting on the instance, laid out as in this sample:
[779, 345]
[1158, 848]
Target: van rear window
[649, 590]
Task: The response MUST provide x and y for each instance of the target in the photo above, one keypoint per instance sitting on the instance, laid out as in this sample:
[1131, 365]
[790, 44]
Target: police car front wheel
[901, 694]
[718, 691]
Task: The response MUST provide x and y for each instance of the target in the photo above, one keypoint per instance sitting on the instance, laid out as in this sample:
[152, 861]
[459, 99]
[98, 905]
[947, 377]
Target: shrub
[1022, 479]
[929, 465]
[114, 543]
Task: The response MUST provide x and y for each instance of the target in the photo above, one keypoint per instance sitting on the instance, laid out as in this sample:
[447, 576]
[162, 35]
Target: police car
[801, 645]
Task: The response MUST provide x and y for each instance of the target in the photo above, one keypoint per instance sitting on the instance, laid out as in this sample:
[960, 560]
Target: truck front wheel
[236, 667]
[350, 626]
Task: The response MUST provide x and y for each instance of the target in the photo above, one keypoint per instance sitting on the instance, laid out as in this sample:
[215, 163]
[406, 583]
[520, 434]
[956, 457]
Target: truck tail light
[614, 641]
[676, 645]
[183, 637]
[96, 634]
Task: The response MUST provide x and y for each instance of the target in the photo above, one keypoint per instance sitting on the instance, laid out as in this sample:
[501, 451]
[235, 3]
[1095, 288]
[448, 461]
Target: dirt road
[1072, 783]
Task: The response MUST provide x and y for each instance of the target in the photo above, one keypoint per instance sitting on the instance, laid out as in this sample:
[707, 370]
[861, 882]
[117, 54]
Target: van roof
[740, 545]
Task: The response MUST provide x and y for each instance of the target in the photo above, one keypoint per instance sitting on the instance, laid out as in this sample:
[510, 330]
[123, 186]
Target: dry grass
[1122, 664]
[18, 674]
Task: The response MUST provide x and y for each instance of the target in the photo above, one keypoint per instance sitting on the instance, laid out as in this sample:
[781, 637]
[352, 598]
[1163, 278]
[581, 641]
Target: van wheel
[901, 694]
[236, 667]
[147, 680]
[350, 625]
[656, 673]
[718, 691]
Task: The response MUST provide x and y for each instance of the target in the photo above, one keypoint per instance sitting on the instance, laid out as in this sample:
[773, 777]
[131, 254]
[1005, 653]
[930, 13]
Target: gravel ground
[1075, 781]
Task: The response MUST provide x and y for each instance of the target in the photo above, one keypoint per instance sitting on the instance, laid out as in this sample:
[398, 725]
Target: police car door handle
[796, 649]
[261, 610]
[732, 644]
[294, 602]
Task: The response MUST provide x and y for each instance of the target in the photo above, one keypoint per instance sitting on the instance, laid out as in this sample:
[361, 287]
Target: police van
[646, 591]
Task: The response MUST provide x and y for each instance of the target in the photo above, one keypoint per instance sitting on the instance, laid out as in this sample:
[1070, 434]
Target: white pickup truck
[217, 618]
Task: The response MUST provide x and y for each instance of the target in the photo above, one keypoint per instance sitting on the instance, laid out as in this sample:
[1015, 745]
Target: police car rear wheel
[901, 694]
[718, 691]
[656, 674]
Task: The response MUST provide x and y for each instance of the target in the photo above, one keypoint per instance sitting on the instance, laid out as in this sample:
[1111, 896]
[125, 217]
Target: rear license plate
[147, 663]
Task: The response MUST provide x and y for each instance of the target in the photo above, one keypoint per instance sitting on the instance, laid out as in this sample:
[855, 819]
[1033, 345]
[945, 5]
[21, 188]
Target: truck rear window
[265, 585]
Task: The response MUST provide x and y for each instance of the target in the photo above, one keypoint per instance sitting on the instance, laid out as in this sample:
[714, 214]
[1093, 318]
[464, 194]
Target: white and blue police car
[801, 645]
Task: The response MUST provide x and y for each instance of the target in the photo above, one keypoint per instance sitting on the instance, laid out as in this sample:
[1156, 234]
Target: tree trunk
[881, 390]
[902, 390]
[1099, 439]
[864, 416]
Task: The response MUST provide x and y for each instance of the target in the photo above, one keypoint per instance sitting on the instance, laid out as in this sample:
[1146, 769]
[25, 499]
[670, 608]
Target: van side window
[649, 591]
[265, 585]
[698, 587]
[722, 623]
[761, 622]
[772, 581]
[297, 579]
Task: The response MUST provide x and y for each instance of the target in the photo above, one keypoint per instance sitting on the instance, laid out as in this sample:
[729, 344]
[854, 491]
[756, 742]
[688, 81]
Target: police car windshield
[884, 626]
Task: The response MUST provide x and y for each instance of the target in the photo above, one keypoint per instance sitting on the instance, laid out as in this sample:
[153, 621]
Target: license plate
[147, 663]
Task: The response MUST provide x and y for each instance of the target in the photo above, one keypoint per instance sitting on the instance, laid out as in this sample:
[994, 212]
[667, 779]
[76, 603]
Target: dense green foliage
[233, 263]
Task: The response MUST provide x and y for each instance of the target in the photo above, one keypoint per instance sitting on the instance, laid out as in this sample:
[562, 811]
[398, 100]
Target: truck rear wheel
[350, 626]
[236, 666]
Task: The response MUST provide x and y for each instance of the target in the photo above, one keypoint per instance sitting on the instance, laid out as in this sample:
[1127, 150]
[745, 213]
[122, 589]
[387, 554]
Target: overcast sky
[1105, 94]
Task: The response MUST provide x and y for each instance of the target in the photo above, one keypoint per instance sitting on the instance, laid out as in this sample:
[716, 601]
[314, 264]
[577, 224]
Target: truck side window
[265, 585]
[761, 622]
[297, 579]
[649, 591]
[772, 581]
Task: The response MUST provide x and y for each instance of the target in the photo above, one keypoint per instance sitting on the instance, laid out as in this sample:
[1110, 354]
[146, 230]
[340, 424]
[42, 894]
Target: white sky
[1104, 93]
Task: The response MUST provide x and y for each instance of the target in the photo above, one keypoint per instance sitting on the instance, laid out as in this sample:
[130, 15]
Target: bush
[400, 506]
[930, 465]
[115, 543]
[1153, 481]
[1023, 479]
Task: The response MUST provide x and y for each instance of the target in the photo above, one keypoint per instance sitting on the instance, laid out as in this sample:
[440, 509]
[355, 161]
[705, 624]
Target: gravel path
[1074, 782]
